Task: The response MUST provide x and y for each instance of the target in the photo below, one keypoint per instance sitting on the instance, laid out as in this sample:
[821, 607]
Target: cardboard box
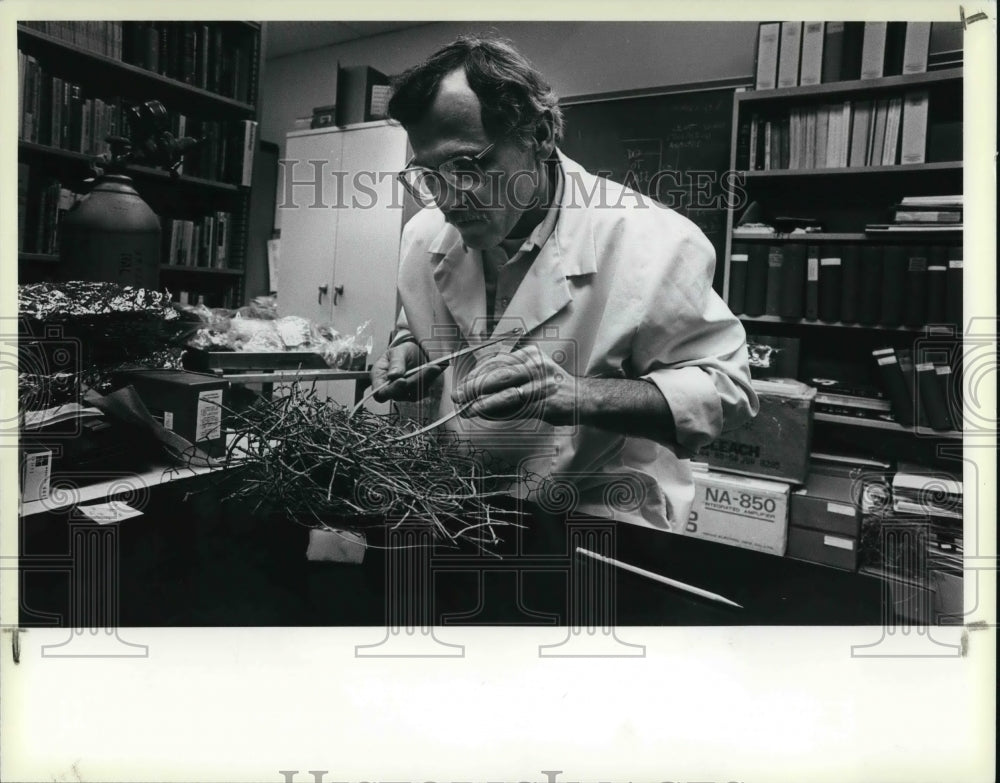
[187, 403]
[828, 502]
[823, 547]
[776, 443]
[739, 511]
[357, 86]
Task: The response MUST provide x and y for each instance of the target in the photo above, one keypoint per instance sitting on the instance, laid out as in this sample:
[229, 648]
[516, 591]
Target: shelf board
[891, 426]
[857, 85]
[775, 319]
[192, 99]
[909, 168]
[875, 237]
[31, 149]
[200, 270]
[38, 258]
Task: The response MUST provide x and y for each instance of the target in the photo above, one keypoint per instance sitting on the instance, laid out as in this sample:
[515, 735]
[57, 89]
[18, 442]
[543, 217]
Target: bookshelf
[843, 181]
[205, 74]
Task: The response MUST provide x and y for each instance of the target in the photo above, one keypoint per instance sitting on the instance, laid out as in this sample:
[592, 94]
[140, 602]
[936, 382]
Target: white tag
[840, 508]
[208, 425]
[813, 269]
[840, 543]
[955, 264]
[168, 420]
[107, 513]
[829, 262]
[737, 257]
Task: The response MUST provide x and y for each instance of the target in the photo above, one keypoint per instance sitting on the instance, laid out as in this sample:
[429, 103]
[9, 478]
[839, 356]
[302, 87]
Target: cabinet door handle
[323, 291]
[338, 291]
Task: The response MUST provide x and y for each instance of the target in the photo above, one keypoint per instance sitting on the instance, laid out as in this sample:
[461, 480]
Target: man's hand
[525, 383]
[391, 366]
[528, 384]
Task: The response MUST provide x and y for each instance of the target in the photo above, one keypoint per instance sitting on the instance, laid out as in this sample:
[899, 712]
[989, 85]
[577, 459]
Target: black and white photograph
[567, 394]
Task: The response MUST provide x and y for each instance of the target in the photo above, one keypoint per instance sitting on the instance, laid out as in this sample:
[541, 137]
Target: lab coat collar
[568, 252]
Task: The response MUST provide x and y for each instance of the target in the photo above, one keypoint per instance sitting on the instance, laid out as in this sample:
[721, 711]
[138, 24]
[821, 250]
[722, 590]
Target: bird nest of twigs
[309, 459]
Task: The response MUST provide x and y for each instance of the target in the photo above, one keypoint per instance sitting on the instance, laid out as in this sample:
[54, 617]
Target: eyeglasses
[463, 173]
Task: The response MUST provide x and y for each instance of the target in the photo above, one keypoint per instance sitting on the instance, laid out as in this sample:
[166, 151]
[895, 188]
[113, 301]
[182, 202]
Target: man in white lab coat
[621, 360]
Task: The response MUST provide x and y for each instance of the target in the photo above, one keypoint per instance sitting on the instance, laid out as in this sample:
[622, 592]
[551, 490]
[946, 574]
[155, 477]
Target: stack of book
[201, 54]
[922, 393]
[936, 497]
[791, 54]
[863, 284]
[923, 214]
[42, 202]
[852, 400]
[848, 134]
[197, 243]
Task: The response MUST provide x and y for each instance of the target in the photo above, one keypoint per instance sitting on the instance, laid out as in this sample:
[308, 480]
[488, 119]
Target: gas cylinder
[111, 236]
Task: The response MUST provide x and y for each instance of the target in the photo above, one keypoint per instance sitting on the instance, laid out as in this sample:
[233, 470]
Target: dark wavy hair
[514, 96]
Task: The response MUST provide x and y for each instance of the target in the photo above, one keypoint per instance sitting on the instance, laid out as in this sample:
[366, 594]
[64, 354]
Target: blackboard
[676, 144]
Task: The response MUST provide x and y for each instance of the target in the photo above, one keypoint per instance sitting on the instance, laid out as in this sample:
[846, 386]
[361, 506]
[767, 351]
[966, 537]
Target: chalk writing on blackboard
[643, 159]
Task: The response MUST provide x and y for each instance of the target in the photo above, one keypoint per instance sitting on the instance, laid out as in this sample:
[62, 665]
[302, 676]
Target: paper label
[944, 369]
[168, 420]
[840, 543]
[108, 513]
[840, 508]
[955, 264]
[887, 360]
[829, 262]
[813, 269]
[208, 425]
[918, 264]
[737, 257]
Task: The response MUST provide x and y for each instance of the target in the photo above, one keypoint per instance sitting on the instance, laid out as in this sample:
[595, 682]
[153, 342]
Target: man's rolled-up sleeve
[693, 349]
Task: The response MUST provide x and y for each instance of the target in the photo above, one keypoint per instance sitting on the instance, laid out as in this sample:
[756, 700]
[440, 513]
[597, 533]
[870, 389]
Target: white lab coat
[622, 288]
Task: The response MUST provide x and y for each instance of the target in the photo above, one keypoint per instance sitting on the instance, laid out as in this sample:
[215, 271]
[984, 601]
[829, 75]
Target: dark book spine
[870, 287]
[756, 296]
[895, 44]
[953, 305]
[833, 51]
[850, 289]
[189, 54]
[915, 303]
[775, 263]
[812, 283]
[831, 274]
[151, 47]
[743, 145]
[850, 66]
[937, 284]
[904, 356]
[793, 282]
[739, 257]
[951, 393]
[163, 48]
[893, 285]
[894, 385]
[932, 401]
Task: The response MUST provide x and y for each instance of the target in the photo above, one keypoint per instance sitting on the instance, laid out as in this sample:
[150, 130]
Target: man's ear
[544, 137]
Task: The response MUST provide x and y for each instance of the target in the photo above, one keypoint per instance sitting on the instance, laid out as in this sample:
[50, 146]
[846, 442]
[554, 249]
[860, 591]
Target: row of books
[790, 54]
[889, 285]
[201, 54]
[854, 133]
[42, 201]
[923, 393]
[56, 113]
[924, 213]
[225, 152]
[204, 242]
[184, 296]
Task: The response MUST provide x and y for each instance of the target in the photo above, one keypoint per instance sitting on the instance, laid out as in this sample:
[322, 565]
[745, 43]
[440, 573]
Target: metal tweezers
[440, 361]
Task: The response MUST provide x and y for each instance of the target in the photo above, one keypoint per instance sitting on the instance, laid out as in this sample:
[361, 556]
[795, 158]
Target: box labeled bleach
[746, 512]
[775, 444]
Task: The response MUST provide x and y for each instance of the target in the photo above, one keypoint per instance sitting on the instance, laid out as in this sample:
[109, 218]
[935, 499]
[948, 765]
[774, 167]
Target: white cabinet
[341, 219]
